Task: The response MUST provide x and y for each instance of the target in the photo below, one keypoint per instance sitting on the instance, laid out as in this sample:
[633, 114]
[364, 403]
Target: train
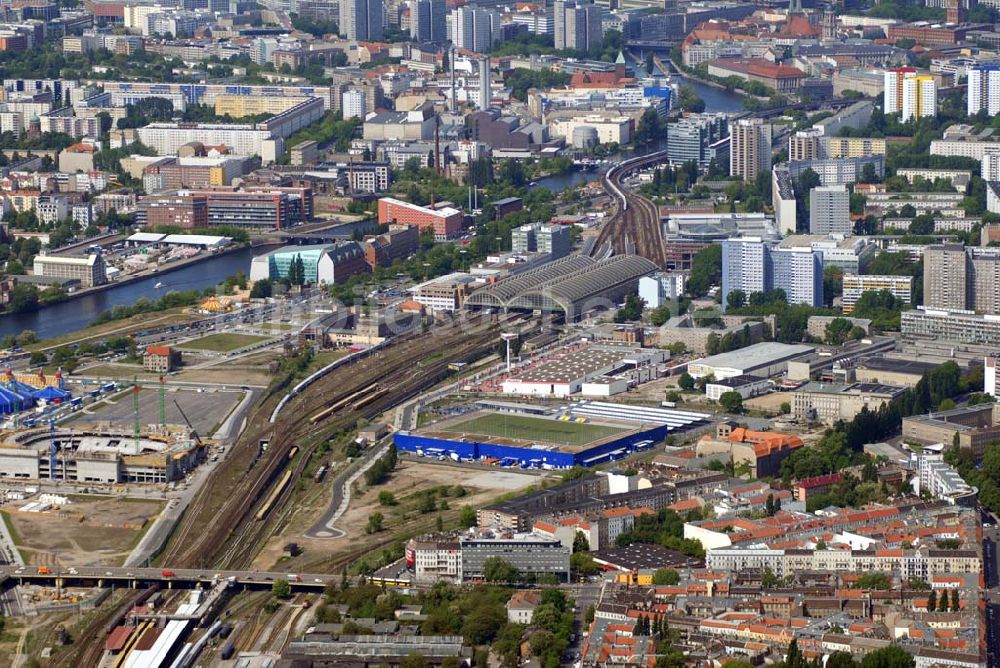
[286, 477]
[326, 412]
[120, 617]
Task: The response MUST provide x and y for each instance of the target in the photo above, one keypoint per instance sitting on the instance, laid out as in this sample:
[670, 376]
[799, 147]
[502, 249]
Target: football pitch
[533, 429]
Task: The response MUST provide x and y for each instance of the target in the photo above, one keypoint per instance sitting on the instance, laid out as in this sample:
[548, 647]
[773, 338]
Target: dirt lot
[406, 484]
[91, 530]
[769, 403]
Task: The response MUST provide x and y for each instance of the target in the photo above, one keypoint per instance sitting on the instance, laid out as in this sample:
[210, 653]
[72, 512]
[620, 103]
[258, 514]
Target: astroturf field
[533, 429]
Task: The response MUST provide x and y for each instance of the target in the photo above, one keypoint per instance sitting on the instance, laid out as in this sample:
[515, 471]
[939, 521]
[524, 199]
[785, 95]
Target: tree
[732, 402]
[23, 299]
[374, 523]
[467, 517]
[413, 660]
[281, 589]
[943, 602]
[838, 331]
[874, 580]
[496, 569]
[736, 299]
[686, 382]
[785, 408]
[706, 270]
[840, 660]
[892, 656]
[386, 499]
[580, 542]
[666, 576]
[932, 601]
[262, 289]
[956, 604]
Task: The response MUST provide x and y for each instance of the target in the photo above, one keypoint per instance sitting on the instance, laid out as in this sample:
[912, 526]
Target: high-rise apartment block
[830, 210]
[909, 94]
[428, 21]
[753, 265]
[577, 24]
[960, 278]
[984, 90]
[362, 20]
[892, 101]
[856, 285]
[805, 145]
[749, 148]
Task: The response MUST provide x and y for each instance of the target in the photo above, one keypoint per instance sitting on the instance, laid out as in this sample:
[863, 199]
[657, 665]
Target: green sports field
[533, 429]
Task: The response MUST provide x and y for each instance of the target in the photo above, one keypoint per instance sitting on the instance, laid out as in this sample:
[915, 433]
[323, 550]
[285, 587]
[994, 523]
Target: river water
[77, 313]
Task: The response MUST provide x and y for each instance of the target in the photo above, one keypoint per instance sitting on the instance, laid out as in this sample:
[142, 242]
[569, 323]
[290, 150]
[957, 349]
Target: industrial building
[761, 359]
[322, 264]
[975, 427]
[90, 271]
[98, 456]
[830, 402]
[622, 430]
[445, 222]
[572, 285]
[568, 374]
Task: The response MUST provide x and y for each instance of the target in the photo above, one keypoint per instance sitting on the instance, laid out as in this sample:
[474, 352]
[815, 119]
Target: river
[76, 313]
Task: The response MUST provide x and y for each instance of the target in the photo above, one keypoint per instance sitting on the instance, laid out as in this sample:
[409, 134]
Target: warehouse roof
[759, 354]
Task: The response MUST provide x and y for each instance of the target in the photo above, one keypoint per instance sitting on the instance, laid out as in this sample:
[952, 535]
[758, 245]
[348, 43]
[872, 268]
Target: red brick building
[445, 222]
[398, 243]
[928, 34]
[780, 78]
[184, 211]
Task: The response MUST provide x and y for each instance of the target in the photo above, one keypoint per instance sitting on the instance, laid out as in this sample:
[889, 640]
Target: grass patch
[223, 342]
[533, 429]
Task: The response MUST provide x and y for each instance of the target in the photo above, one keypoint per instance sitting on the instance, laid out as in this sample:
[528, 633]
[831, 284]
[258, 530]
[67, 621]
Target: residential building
[752, 265]
[830, 210]
[577, 24]
[805, 145]
[838, 171]
[990, 385]
[661, 288]
[984, 89]
[849, 253]
[960, 278]
[445, 223]
[321, 264]
[521, 606]
[444, 557]
[973, 427]
[168, 138]
[893, 89]
[362, 20]
[353, 104]
[941, 481]
[160, 359]
[763, 451]
[959, 326]
[428, 21]
[852, 147]
[919, 97]
[749, 148]
[89, 270]
[783, 200]
[855, 285]
[830, 402]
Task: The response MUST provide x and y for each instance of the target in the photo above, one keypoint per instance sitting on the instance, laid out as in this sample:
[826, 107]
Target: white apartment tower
[576, 24]
[354, 104]
[475, 29]
[984, 90]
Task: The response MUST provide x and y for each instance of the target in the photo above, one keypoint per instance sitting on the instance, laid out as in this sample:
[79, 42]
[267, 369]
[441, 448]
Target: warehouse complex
[761, 359]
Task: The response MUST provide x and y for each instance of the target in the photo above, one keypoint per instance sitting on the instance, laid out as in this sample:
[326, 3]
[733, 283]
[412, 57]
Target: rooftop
[757, 355]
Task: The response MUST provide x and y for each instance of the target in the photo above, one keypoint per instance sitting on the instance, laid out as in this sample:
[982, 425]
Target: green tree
[496, 569]
[386, 499]
[666, 576]
[374, 523]
[706, 270]
[467, 517]
[732, 402]
[261, 289]
[840, 660]
[956, 604]
[580, 542]
[838, 331]
[892, 656]
[875, 580]
[736, 299]
[932, 601]
[686, 382]
[281, 589]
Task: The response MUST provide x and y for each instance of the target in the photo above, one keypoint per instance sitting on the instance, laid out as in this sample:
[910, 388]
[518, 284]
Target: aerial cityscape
[484, 334]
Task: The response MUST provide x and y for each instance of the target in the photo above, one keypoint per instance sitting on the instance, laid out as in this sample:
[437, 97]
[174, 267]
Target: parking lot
[205, 409]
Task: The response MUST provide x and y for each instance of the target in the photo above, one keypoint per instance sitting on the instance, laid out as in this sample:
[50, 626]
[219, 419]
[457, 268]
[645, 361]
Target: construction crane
[191, 426]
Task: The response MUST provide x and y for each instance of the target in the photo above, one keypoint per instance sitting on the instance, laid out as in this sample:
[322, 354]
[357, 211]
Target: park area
[222, 343]
[523, 428]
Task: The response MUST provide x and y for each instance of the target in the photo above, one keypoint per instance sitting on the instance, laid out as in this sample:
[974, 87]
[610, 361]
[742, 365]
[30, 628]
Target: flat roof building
[90, 271]
[830, 402]
[761, 359]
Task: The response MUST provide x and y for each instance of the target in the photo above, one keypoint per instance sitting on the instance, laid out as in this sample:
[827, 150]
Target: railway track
[224, 532]
[634, 229]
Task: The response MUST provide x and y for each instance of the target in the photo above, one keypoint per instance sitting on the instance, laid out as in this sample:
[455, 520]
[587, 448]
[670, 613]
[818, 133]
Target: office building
[485, 85]
[959, 278]
[698, 137]
[321, 264]
[428, 21]
[553, 239]
[362, 20]
[893, 89]
[577, 24]
[831, 402]
[749, 148]
[445, 223]
[89, 270]
[475, 29]
[830, 210]
[855, 285]
[753, 265]
[984, 90]
[919, 97]
[183, 211]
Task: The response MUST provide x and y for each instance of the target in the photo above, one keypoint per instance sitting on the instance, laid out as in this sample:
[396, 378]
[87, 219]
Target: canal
[77, 313]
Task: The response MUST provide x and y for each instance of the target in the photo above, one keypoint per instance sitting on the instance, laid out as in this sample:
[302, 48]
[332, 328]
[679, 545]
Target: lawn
[223, 342]
[534, 429]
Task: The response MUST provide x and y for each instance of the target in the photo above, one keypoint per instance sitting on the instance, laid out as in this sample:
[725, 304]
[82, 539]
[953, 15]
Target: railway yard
[268, 482]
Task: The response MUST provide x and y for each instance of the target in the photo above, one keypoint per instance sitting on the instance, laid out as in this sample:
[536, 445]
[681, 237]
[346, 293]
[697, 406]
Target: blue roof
[49, 393]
